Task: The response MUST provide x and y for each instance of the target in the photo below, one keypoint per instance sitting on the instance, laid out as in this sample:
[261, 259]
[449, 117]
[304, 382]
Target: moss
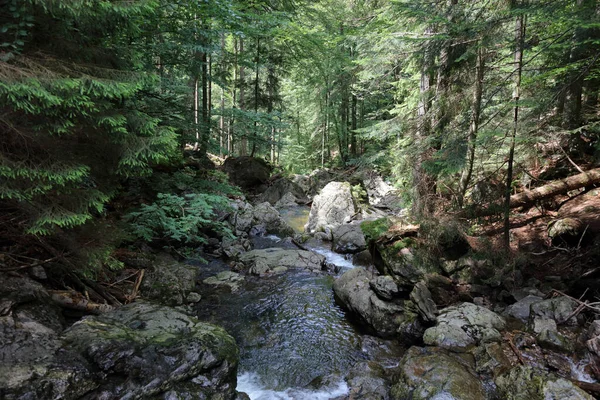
[373, 230]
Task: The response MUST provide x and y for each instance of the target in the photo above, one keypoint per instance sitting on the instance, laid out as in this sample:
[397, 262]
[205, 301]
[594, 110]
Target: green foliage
[373, 230]
[179, 219]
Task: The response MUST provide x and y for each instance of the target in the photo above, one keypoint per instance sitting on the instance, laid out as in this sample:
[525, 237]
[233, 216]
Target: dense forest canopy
[459, 103]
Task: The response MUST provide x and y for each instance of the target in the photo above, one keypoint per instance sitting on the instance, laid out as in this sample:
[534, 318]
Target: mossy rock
[373, 230]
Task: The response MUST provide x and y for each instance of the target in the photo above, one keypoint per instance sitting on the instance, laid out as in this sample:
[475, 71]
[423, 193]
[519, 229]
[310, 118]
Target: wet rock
[266, 214]
[332, 207]
[552, 339]
[522, 308]
[348, 239]
[520, 293]
[432, 373]
[385, 287]
[247, 172]
[276, 257]
[541, 324]
[461, 327]
[421, 296]
[145, 350]
[232, 247]
[558, 309]
[527, 383]
[168, 281]
[386, 318]
[233, 280]
[368, 381]
[193, 297]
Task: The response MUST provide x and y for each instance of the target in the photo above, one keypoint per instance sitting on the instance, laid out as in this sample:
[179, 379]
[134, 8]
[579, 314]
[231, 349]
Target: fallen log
[76, 301]
[530, 197]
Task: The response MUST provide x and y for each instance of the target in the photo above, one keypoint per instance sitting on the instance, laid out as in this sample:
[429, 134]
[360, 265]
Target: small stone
[541, 324]
[385, 287]
[193, 297]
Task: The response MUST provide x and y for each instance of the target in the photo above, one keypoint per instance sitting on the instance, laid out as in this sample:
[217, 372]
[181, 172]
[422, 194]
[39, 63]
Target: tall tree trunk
[474, 125]
[354, 126]
[518, 62]
[244, 140]
[222, 136]
[205, 127]
[256, 91]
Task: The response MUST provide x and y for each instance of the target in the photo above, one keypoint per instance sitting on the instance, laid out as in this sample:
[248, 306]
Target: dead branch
[75, 301]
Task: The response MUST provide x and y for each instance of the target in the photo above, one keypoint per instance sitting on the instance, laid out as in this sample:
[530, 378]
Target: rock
[443, 291]
[432, 373]
[288, 200]
[143, 350]
[169, 281]
[520, 293]
[226, 278]
[558, 309]
[381, 194]
[461, 327]
[318, 179]
[421, 296]
[527, 383]
[522, 308]
[540, 325]
[362, 259]
[280, 189]
[593, 335]
[386, 318]
[452, 266]
[266, 214]
[193, 297]
[490, 360]
[552, 339]
[236, 246]
[276, 257]
[324, 236]
[368, 381]
[565, 231]
[332, 207]
[348, 239]
[247, 172]
[385, 287]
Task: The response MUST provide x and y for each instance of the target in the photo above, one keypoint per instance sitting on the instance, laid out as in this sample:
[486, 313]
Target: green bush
[178, 218]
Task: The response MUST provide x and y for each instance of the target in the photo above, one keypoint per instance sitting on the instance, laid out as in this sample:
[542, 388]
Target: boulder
[279, 189]
[318, 179]
[229, 279]
[462, 327]
[593, 338]
[421, 296]
[288, 200]
[263, 218]
[399, 318]
[385, 287]
[333, 206]
[348, 239]
[558, 309]
[368, 381]
[168, 281]
[138, 351]
[527, 383]
[432, 373]
[247, 172]
[143, 350]
[380, 193]
[522, 308]
[266, 260]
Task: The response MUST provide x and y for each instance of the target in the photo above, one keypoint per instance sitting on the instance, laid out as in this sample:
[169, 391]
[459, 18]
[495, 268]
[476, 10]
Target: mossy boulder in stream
[432, 373]
[527, 383]
[169, 281]
[145, 350]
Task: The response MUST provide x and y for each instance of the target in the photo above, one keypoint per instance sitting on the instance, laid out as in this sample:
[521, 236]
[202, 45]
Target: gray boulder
[527, 383]
[522, 308]
[348, 239]
[263, 215]
[332, 207]
[230, 279]
[386, 318]
[279, 189]
[381, 194]
[288, 200]
[368, 381]
[384, 287]
[558, 309]
[267, 260]
[421, 296]
[462, 327]
[432, 373]
[169, 281]
[144, 350]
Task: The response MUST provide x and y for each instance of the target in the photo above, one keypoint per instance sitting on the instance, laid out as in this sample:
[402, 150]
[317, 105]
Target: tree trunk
[353, 127]
[244, 141]
[554, 188]
[518, 59]
[256, 91]
[474, 126]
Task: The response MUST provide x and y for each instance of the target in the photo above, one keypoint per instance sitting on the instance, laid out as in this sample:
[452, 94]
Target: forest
[148, 145]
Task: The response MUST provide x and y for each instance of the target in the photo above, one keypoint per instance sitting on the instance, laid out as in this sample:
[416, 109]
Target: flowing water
[295, 342]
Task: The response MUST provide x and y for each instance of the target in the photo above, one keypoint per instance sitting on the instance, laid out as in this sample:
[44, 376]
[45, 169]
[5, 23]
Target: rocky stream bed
[319, 311]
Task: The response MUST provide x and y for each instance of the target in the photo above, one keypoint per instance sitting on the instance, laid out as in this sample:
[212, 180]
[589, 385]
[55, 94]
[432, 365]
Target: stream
[295, 341]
